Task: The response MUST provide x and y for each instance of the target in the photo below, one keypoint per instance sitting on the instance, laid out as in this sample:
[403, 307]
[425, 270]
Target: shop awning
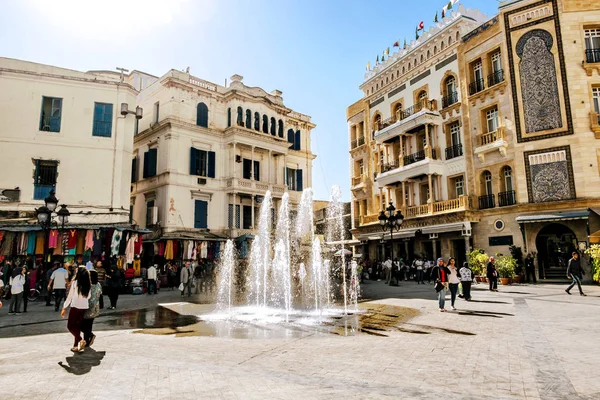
[344, 242]
[181, 235]
[594, 238]
[453, 227]
[36, 227]
[553, 216]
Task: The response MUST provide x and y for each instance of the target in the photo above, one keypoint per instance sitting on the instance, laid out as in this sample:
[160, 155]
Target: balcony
[507, 198]
[454, 151]
[450, 99]
[424, 112]
[358, 182]
[388, 167]
[487, 201]
[476, 86]
[592, 56]
[491, 141]
[424, 162]
[252, 186]
[369, 219]
[418, 156]
[357, 143]
[495, 78]
[595, 124]
[436, 208]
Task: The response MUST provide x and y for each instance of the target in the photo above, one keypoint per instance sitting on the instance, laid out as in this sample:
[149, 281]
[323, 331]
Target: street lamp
[393, 221]
[46, 219]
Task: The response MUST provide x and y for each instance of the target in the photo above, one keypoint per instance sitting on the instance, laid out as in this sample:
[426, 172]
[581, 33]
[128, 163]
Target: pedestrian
[170, 276]
[453, 280]
[26, 287]
[420, 272]
[492, 275]
[49, 273]
[575, 272]
[440, 273]
[58, 282]
[151, 272]
[17, 284]
[186, 279]
[101, 272]
[197, 277]
[113, 284]
[466, 279]
[529, 269]
[79, 294]
[93, 309]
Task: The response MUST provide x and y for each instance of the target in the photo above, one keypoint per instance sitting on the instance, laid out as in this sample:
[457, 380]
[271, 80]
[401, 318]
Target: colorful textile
[31, 243]
[137, 267]
[161, 249]
[53, 239]
[97, 243]
[80, 242]
[89, 240]
[130, 250]
[72, 239]
[7, 244]
[58, 250]
[39, 243]
[115, 243]
[169, 250]
[22, 243]
[191, 253]
[204, 250]
[138, 245]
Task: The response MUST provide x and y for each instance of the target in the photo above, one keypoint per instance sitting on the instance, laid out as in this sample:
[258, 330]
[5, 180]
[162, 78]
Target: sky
[314, 51]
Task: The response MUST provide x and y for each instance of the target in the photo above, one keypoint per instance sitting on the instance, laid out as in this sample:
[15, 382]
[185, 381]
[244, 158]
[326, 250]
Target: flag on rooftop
[397, 43]
[436, 17]
[421, 25]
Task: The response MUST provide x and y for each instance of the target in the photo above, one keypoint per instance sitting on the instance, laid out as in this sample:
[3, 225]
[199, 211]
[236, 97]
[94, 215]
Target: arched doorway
[555, 243]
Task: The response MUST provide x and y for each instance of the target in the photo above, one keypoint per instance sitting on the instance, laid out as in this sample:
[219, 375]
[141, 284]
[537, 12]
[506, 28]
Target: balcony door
[592, 45]
[596, 96]
[508, 179]
[424, 193]
[478, 72]
[488, 186]
[451, 90]
[492, 120]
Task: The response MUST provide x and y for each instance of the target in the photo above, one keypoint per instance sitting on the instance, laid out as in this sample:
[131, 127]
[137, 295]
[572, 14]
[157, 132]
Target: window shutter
[237, 216]
[153, 161]
[134, 166]
[211, 164]
[297, 141]
[202, 115]
[290, 136]
[146, 163]
[299, 180]
[229, 117]
[256, 170]
[193, 161]
[230, 216]
[247, 173]
[200, 214]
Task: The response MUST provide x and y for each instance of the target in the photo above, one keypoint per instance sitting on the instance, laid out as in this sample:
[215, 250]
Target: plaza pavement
[524, 342]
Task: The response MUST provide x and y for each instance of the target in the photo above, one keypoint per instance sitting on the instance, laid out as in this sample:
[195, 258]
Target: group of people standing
[448, 277]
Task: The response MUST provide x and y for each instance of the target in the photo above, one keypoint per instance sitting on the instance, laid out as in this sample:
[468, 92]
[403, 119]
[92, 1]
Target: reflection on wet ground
[184, 319]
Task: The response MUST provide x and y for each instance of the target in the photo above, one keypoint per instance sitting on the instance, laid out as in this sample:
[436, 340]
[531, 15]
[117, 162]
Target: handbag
[439, 286]
[181, 287]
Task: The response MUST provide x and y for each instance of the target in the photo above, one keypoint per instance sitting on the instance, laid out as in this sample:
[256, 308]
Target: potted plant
[478, 263]
[505, 265]
[517, 253]
[594, 252]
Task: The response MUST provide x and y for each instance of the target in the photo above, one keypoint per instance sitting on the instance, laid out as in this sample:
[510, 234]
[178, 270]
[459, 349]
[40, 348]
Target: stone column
[252, 164]
[270, 167]
[427, 142]
[233, 161]
[430, 200]
[403, 194]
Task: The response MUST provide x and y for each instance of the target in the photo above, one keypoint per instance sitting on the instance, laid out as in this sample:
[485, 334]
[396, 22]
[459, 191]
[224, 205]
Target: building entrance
[554, 243]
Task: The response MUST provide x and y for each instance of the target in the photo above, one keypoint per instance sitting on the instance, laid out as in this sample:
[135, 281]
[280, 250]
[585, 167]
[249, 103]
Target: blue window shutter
[153, 161]
[202, 115]
[297, 140]
[146, 164]
[193, 158]
[280, 129]
[299, 180]
[256, 170]
[55, 117]
[229, 117]
[211, 164]
[102, 120]
[108, 112]
[290, 136]
[200, 214]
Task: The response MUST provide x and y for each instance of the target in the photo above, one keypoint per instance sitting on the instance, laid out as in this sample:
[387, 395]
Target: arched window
[488, 188]
[291, 138]
[392, 76]
[249, 119]
[422, 95]
[415, 64]
[449, 40]
[434, 50]
[273, 126]
[376, 122]
[265, 127]
[387, 80]
[428, 54]
[229, 117]
[280, 128]
[257, 121]
[450, 88]
[403, 69]
[442, 45]
[457, 36]
[507, 179]
[298, 140]
[398, 111]
[202, 115]
[377, 86]
[422, 58]
[240, 116]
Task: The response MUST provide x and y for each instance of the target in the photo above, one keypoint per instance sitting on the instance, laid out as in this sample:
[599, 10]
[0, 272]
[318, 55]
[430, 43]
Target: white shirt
[16, 284]
[75, 299]
[59, 278]
[453, 278]
[152, 273]
[419, 264]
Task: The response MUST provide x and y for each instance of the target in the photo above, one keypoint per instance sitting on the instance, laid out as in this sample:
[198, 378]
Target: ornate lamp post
[45, 217]
[393, 221]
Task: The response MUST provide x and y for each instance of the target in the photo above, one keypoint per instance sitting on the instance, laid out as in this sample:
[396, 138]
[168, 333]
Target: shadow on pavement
[488, 314]
[82, 363]
[489, 301]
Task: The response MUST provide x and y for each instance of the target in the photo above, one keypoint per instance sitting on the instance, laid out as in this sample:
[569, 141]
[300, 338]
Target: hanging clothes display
[7, 244]
[89, 240]
[137, 267]
[97, 249]
[58, 250]
[115, 243]
[22, 243]
[39, 243]
[108, 235]
[185, 250]
[130, 251]
[53, 239]
[191, 250]
[169, 250]
[137, 249]
[72, 239]
[160, 249]
[80, 246]
[217, 250]
[123, 244]
[204, 250]
[31, 243]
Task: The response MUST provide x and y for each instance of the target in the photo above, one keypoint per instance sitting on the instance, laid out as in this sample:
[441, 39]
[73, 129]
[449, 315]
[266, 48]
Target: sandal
[81, 346]
[92, 340]
[75, 349]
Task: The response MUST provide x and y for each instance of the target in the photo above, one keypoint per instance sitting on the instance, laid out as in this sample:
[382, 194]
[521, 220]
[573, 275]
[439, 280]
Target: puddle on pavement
[371, 319]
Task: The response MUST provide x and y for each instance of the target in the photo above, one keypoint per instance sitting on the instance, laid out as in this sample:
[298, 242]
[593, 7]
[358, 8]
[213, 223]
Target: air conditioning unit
[201, 181]
[238, 159]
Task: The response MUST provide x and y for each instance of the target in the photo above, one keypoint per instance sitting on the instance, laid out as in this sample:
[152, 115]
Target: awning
[181, 235]
[594, 238]
[554, 216]
[456, 226]
[36, 227]
[344, 243]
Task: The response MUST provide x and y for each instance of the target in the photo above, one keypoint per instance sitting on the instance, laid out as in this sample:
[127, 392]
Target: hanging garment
[62, 237]
[137, 267]
[108, 235]
[191, 250]
[185, 249]
[120, 262]
[31, 243]
[123, 244]
[80, 242]
[218, 250]
[22, 243]
[137, 249]
[204, 250]
[129, 251]
[161, 249]
[176, 248]
[115, 243]
[89, 240]
[53, 239]
[72, 240]
[211, 250]
[7, 244]
[97, 250]
[169, 250]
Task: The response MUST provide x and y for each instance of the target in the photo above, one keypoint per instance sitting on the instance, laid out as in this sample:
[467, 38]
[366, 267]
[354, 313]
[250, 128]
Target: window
[423, 95]
[596, 97]
[248, 119]
[294, 139]
[449, 40]
[246, 168]
[44, 179]
[265, 124]
[459, 185]
[51, 114]
[256, 121]
[487, 178]
[240, 116]
[361, 168]
[280, 128]
[200, 214]
[451, 94]
[149, 213]
[478, 71]
[508, 181]
[496, 62]
[294, 179]
[202, 115]
[592, 45]
[228, 117]
[491, 117]
[134, 169]
[247, 217]
[202, 163]
[102, 120]
[150, 160]
[256, 170]
[455, 134]
[398, 111]
[136, 127]
[273, 127]
[156, 112]
[230, 216]
[434, 50]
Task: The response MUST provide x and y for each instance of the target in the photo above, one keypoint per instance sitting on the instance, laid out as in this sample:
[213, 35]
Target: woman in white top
[453, 280]
[17, 283]
[79, 293]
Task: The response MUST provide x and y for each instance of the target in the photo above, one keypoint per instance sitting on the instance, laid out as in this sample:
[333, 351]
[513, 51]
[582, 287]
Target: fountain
[292, 275]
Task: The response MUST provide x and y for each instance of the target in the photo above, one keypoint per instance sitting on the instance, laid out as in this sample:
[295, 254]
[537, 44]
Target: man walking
[152, 279]
[48, 279]
[492, 275]
[186, 279]
[575, 272]
[58, 281]
[529, 269]
[388, 270]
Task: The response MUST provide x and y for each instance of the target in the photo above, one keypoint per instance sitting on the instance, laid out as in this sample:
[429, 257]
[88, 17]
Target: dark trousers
[113, 295]
[48, 297]
[577, 281]
[25, 300]
[15, 302]
[86, 328]
[466, 290]
[493, 282]
[420, 276]
[59, 295]
[152, 286]
[528, 273]
[74, 323]
[453, 291]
